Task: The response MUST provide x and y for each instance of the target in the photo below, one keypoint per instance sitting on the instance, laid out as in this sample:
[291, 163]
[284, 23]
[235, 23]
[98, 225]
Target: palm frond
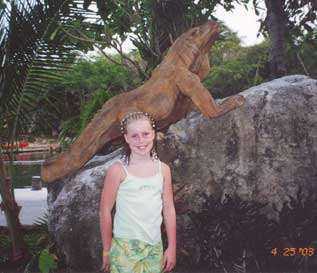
[42, 222]
[33, 55]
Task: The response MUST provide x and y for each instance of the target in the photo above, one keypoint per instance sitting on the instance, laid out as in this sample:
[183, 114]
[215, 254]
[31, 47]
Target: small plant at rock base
[47, 261]
[43, 250]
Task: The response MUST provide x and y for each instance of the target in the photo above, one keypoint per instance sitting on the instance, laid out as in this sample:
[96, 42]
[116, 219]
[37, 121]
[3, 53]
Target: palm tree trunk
[11, 211]
[276, 25]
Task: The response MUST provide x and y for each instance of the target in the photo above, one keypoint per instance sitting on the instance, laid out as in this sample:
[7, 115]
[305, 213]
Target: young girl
[141, 186]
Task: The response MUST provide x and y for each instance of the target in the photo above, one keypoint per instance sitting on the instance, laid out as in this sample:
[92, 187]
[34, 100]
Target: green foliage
[30, 60]
[235, 68]
[43, 261]
[302, 55]
[75, 99]
[98, 99]
[87, 76]
[299, 17]
[33, 239]
[47, 261]
[152, 26]
[88, 87]
[286, 20]
[42, 223]
[70, 131]
[42, 249]
[5, 246]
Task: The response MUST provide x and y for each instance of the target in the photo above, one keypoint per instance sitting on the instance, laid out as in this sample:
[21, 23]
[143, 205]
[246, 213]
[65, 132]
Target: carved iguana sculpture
[173, 89]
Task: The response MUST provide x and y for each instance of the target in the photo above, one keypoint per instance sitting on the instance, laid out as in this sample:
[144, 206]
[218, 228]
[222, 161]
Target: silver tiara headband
[134, 115]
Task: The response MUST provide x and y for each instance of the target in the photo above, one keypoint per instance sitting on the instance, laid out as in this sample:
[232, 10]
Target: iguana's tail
[102, 129]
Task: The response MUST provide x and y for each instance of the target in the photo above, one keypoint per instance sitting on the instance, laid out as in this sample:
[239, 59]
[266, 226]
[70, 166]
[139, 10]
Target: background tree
[154, 25]
[302, 56]
[286, 20]
[151, 25]
[79, 95]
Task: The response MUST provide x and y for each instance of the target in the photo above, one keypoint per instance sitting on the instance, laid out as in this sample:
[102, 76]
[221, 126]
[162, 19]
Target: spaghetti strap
[127, 173]
[124, 167]
[160, 167]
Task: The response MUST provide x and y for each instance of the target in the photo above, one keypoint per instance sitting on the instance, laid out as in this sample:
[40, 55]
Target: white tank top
[139, 207]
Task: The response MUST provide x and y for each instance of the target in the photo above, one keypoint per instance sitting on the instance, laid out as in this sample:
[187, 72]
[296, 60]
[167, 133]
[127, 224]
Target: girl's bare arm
[169, 213]
[108, 197]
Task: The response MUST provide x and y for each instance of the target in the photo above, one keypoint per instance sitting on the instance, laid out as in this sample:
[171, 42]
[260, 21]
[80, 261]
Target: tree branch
[84, 38]
[100, 49]
[302, 63]
[135, 64]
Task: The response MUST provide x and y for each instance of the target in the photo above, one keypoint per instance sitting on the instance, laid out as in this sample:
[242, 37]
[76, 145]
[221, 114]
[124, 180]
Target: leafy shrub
[236, 68]
[92, 83]
[72, 102]
[43, 251]
[75, 125]
[302, 55]
[5, 247]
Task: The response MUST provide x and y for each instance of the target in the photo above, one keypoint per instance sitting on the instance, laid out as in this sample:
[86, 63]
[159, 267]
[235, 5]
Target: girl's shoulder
[118, 169]
[117, 163]
[165, 168]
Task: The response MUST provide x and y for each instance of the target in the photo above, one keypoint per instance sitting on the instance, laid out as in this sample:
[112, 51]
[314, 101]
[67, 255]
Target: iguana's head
[194, 45]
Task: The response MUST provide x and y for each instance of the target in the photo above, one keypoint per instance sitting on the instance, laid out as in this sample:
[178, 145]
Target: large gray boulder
[264, 151]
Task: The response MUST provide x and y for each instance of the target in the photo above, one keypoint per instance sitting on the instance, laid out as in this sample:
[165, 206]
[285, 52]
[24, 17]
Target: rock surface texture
[263, 151]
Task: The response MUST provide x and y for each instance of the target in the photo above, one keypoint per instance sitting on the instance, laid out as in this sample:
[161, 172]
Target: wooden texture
[173, 89]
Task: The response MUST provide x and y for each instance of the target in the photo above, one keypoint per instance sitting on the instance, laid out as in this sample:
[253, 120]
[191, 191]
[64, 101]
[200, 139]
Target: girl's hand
[169, 260]
[105, 263]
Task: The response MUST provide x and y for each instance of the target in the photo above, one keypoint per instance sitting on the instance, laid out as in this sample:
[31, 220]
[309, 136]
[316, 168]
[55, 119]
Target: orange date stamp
[292, 251]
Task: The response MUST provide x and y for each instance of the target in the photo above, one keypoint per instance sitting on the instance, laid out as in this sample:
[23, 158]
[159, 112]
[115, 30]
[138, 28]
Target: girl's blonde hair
[129, 118]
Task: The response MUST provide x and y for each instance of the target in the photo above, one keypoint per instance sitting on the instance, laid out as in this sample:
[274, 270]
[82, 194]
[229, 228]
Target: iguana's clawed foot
[240, 100]
[228, 105]
[232, 102]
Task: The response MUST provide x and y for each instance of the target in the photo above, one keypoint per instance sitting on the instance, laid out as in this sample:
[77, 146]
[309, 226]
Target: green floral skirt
[135, 256]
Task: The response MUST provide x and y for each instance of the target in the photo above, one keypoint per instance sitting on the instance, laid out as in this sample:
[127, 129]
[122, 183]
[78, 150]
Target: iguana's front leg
[189, 84]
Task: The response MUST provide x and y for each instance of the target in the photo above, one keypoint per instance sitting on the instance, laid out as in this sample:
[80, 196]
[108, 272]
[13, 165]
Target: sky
[244, 22]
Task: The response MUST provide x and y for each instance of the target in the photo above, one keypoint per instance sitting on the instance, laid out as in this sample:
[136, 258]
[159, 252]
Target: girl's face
[140, 136]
